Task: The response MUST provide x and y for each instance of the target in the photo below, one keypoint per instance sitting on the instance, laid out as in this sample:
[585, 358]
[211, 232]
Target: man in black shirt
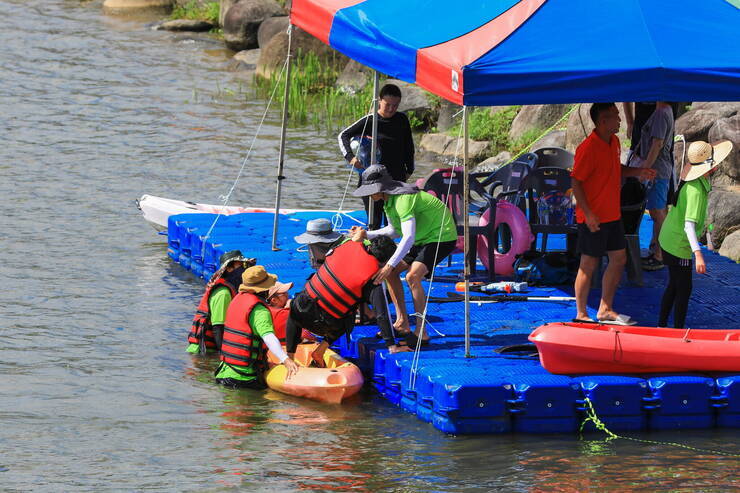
[395, 143]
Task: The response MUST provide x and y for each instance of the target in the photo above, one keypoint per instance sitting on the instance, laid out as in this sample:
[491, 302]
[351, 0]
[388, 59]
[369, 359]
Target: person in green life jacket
[207, 329]
[685, 222]
[248, 333]
[428, 235]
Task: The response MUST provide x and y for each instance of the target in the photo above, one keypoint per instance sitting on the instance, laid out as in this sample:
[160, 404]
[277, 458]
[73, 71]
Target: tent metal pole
[281, 154]
[466, 228]
[374, 144]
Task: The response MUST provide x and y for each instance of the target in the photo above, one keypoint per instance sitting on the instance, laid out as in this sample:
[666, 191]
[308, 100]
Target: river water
[96, 390]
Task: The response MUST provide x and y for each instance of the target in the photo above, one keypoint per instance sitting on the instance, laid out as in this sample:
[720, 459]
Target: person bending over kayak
[248, 333]
[684, 223]
[428, 235]
[327, 304]
[207, 330]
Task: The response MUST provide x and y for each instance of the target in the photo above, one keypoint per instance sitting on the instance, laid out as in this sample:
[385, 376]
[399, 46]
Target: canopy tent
[503, 52]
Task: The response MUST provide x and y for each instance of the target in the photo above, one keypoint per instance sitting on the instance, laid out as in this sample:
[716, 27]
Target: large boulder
[723, 109]
[536, 117]
[724, 213]
[273, 55]
[354, 77]
[555, 138]
[695, 124]
[579, 126]
[436, 143]
[731, 246]
[243, 19]
[244, 62]
[270, 27]
[728, 129]
[116, 6]
[223, 7]
[184, 25]
[493, 163]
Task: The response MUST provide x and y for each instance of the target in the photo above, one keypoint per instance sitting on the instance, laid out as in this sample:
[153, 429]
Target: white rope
[246, 158]
[425, 322]
[337, 219]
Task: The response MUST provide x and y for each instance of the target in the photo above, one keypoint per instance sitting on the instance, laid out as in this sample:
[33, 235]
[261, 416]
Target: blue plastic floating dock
[493, 392]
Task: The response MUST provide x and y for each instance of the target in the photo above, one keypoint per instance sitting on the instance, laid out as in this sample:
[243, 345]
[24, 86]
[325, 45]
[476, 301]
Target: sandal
[651, 264]
[412, 340]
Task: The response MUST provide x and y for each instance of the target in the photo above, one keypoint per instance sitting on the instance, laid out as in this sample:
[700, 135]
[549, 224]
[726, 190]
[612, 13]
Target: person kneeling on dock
[327, 304]
[207, 330]
[248, 333]
[428, 235]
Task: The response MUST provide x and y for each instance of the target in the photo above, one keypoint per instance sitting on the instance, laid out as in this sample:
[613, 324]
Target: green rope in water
[591, 417]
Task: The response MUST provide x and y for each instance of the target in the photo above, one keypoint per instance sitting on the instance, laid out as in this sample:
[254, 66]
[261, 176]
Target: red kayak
[591, 348]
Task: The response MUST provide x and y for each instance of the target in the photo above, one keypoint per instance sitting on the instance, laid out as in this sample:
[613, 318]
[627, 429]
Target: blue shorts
[657, 195]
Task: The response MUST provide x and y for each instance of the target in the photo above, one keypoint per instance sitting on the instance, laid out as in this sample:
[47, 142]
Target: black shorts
[426, 253]
[305, 313]
[608, 238]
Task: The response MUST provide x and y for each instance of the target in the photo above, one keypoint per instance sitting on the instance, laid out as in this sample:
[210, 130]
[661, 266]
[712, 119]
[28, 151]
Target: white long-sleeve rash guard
[408, 235]
[690, 228]
[273, 344]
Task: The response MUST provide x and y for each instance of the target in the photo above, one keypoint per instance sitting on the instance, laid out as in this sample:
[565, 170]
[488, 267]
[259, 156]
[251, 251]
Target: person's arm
[217, 304]
[689, 228]
[260, 319]
[655, 146]
[592, 221]
[408, 151]
[629, 117]
[346, 135]
[408, 236]
[645, 174]
[388, 230]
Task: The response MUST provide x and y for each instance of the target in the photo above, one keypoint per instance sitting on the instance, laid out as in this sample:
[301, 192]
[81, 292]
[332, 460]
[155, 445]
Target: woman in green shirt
[428, 235]
[686, 218]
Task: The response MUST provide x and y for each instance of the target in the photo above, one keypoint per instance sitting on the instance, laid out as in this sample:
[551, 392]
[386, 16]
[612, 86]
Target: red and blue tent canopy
[502, 52]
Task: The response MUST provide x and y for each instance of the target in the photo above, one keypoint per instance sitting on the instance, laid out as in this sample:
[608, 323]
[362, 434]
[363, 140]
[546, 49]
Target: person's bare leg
[413, 277]
[395, 289]
[658, 216]
[583, 284]
[609, 283]
[318, 354]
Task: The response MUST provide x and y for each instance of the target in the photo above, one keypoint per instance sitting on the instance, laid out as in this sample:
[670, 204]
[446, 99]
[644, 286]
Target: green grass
[313, 97]
[482, 125]
[195, 11]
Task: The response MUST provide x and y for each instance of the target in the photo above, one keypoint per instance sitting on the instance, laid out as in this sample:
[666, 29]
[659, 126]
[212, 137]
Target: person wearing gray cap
[320, 237]
[428, 235]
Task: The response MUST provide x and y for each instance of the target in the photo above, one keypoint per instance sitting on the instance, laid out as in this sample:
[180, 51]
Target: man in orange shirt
[597, 175]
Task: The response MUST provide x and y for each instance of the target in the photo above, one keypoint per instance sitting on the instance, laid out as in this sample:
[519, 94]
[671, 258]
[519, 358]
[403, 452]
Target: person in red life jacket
[327, 304]
[207, 329]
[278, 301]
[248, 333]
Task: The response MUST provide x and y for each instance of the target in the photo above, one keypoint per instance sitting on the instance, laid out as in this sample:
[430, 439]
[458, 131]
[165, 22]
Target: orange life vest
[238, 349]
[201, 331]
[337, 285]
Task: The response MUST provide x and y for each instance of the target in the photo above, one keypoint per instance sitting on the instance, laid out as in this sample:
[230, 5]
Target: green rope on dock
[591, 417]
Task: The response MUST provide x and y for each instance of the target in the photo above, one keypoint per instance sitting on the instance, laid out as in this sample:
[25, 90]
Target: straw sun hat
[256, 280]
[703, 157]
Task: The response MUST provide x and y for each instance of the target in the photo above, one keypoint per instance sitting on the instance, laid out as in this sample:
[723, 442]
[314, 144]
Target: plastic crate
[679, 401]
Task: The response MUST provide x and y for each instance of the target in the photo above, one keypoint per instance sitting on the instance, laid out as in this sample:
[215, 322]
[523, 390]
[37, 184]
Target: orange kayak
[591, 348]
[339, 380]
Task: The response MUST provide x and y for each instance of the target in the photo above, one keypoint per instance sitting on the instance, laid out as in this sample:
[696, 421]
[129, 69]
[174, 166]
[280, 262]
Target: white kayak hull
[156, 210]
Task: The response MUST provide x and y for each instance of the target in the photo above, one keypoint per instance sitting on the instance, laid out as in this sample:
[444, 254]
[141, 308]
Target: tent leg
[374, 144]
[466, 228]
[281, 154]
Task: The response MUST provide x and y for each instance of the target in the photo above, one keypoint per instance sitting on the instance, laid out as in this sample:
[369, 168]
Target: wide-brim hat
[279, 287]
[701, 158]
[375, 179]
[257, 280]
[317, 231]
[226, 259]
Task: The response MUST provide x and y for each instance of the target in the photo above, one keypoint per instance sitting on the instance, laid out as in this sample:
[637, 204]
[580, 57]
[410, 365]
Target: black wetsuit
[396, 147]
